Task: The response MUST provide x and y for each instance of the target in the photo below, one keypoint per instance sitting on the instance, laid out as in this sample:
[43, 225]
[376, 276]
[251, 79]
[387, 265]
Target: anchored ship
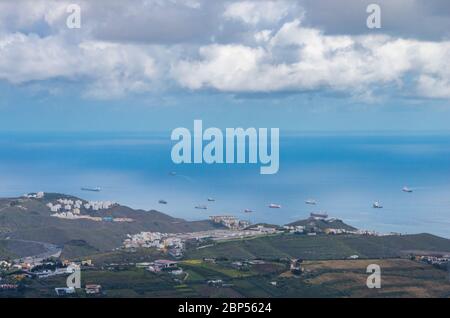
[319, 215]
[406, 189]
[96, 189]
[377, 205]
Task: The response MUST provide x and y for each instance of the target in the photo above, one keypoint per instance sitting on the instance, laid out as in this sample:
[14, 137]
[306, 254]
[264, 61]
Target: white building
[55, 208]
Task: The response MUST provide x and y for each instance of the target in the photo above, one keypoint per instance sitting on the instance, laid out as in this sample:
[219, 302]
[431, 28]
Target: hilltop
[312, 223]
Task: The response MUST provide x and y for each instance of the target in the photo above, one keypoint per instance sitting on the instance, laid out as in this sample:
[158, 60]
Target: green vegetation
[330, 278]
[125, 256]
[323, 247]
[77, 248]
[272, 278]
[10, 249]
[5, 253]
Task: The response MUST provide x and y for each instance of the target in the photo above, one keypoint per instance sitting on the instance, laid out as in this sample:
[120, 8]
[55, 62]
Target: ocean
[344, 173]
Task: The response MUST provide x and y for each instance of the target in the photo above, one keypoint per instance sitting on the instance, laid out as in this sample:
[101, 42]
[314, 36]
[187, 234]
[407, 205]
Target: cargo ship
[96, 189]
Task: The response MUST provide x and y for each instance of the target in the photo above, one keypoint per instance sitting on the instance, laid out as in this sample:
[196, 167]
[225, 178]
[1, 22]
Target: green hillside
[323, 247]
[5, 253]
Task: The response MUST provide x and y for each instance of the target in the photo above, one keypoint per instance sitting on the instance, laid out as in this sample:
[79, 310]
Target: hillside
[31, 220]
[322, 224]
[5, 253]
[323, 247]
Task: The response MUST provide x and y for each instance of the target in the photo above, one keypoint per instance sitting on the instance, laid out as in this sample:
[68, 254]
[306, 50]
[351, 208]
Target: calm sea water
[344, 173]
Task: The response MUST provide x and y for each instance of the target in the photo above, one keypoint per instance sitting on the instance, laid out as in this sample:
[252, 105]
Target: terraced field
[324, 247]
[399, 278]
[329, 278]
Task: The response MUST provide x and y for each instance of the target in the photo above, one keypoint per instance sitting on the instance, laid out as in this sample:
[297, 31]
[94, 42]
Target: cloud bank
[226, 46]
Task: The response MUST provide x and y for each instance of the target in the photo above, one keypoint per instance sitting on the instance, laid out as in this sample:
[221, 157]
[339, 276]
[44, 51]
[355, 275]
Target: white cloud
[255, 12]
[23, 15]
[224, 67]
[26, 58]
[353, 64]
[108, 68]
[433, 87]
[269, 51]
[263, 36]
[117, 69]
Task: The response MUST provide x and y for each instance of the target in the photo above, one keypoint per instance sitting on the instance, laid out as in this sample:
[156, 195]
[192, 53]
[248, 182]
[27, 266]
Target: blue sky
[157, 65]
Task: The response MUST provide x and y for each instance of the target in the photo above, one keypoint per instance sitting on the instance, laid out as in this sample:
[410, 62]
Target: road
[52, 250]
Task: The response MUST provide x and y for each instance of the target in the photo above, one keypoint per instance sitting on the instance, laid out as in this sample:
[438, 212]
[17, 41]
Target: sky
[154, 65]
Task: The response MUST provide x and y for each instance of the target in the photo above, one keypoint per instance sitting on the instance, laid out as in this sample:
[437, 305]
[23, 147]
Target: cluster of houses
[18, 270]
[8, 286]
[72, 210]
[98, 205]
[296, 229]
[230, 222]
[434, 260]
[66, 208]
[90, 289]
[165, 242]
[43, 268]
[64, 204]
[174, 243]
[261, 229]
[163, 264]
[6, 266]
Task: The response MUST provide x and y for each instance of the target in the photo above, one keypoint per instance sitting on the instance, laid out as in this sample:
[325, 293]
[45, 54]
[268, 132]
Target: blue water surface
[345, 173]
